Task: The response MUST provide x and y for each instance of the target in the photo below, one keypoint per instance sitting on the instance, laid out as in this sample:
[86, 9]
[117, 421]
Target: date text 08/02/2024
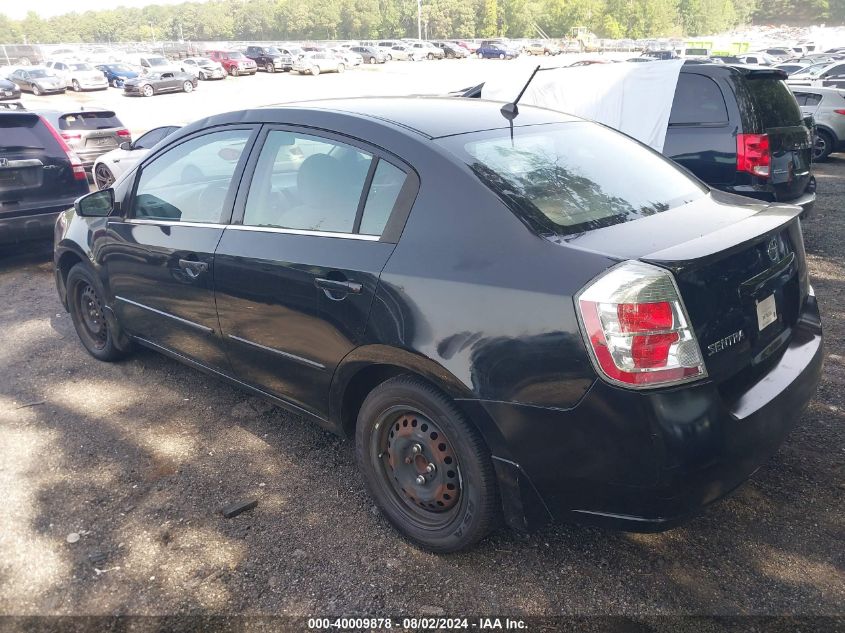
[423, 623]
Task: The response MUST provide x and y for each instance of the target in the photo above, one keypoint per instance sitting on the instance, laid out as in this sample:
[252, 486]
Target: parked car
[157, 83]
[495, 50]
[400, 52]
[370, 54]
[38, 80]
[790, 69]
[316, 63]
[452, 50]
[269, 58]
[780, 53]
[203, 68]
[740, 129]
[116, 74]
[9, 90]
[427, 50]
[293, 52]
[39, 176]
[541, 48]
[89, 133]
[112, 165]
[20, 55]
[827, 107]
[757, 59]
[234, 62]
[79, 75]
[665, 359]
[470, 47]
[350, 58]
[816, 74]
[152, 63]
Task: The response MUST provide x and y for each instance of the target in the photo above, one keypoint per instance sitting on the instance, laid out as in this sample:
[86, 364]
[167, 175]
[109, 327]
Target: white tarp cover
[633, 97]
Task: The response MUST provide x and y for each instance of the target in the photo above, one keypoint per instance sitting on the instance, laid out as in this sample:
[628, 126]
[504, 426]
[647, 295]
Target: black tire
[406, 426]
[201, 76]
[115, 83]
[36, 90]
[822, 146]
[268, 67]
[103, 177]
[234, 72]
[94, 326]
[372, 60]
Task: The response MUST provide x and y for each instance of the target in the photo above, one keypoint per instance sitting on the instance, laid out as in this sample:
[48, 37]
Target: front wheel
[341, 68]
[88, 313]
[36, 90]
[425, 465]
[233, 72]
[202, 76]
[187, 87]
[822, 146]
[315, 70]
[269, 67]
[103, 177]
[480, 55]
[372, 60]
[147, 90]
[501, 55]
[75, 85]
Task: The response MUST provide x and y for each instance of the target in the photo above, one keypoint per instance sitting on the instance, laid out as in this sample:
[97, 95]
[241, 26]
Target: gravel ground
[135, 459]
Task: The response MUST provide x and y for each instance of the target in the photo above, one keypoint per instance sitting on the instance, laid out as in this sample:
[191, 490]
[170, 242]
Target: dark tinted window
[26, 131]
[774, 103]
[839, 69]
[574, 177]
[89, 121]
[808, 98]
[698, 99]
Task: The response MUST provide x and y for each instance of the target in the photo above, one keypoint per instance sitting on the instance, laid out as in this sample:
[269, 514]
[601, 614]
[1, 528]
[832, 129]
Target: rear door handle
[193, 268]
[339, 286]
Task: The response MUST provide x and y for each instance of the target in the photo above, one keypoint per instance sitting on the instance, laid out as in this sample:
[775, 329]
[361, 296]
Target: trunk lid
[740, 269]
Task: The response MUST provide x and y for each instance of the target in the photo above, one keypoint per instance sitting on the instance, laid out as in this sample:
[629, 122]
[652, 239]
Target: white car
[350, 58]
[319, 62]
[203, 68]
[112, 165]
[405, 53]
[79, 75]
[152, 63]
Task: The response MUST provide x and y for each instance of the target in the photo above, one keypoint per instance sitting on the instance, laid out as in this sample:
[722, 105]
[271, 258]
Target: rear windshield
[21, 132]
[89, 121]
[774, 103]
[574, 177]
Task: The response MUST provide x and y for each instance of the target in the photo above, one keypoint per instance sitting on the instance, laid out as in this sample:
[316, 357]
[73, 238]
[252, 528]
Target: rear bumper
[648, 461]
[26, 228]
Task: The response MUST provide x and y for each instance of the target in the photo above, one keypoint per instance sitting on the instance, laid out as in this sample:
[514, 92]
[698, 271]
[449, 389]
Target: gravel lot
[137, 458]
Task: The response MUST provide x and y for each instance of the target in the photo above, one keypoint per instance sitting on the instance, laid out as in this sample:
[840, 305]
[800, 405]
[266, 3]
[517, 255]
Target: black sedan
[543, 319]
[159, 82]
[9, 90]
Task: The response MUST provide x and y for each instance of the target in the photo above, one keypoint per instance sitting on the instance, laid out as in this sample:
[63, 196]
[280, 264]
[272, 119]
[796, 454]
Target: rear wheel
[425, 465]
[103, 177]
[88, 312]
[75, 85]
[315, 70]
[822, 146]
[188, 86]
[480, 56]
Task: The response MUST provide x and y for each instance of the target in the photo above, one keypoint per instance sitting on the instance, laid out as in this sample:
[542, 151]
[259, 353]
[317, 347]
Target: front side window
[190, 182]
[308, 183]
[573, 177]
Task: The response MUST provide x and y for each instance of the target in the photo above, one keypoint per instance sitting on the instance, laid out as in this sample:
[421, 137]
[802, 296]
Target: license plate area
[767, 312]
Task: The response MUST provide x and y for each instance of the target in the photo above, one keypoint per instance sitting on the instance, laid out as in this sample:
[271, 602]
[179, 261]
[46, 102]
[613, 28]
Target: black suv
[740, 129]
[269, 58]
[39, 176]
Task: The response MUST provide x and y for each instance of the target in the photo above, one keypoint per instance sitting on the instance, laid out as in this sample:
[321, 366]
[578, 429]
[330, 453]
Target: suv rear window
[89, 121]
[774, 103]
[27, 131]
[574, 177]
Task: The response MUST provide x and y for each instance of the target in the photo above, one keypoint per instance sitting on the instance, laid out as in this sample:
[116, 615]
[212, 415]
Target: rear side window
[574, 177]
[808, 98]
[774, 103]
[698, 99]
[20, 132]
[89, 121]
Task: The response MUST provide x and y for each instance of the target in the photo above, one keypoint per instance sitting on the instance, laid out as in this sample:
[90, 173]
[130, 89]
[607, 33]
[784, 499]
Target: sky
[16, 9]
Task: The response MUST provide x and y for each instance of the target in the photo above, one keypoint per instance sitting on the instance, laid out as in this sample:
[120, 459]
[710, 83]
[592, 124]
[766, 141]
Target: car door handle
[193, 268]
[339, 286]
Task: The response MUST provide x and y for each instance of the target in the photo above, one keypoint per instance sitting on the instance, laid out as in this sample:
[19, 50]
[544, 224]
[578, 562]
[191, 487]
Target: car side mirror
[98, 204]
[125, 146]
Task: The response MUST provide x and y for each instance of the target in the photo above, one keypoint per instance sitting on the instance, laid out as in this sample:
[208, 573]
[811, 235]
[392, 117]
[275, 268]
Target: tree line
[370, 19]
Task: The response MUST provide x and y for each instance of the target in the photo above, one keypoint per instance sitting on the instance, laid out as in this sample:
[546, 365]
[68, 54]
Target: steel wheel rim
[148, 91]
[405, 445]
[91, 315]
[188, 86]
[103, 176]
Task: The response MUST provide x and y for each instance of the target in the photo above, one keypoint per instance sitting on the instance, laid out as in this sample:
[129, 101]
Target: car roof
[821, 91]
[434, 117]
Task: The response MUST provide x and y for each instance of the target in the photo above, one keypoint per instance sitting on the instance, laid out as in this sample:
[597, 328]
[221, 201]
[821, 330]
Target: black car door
[296, 272]
[160, 258]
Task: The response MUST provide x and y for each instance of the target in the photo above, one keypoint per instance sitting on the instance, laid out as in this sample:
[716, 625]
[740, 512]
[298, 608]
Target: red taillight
[635, 340]
[75, 163]
[839, 111]
[124, 133]
[752, 154]
[68, 136]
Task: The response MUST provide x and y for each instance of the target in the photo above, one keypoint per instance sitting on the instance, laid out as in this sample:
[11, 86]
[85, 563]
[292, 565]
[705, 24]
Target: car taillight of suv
[637, 329]
[753, 154]
[75, 162]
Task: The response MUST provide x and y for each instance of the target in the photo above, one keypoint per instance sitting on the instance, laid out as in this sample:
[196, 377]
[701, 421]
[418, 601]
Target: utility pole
[419, 19]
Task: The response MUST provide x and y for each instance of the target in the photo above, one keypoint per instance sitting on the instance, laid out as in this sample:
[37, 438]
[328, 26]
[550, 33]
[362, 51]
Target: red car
[234, 62]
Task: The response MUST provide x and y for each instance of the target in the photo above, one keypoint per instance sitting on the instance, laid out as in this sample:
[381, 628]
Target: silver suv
[89, 133]
[827, 106]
